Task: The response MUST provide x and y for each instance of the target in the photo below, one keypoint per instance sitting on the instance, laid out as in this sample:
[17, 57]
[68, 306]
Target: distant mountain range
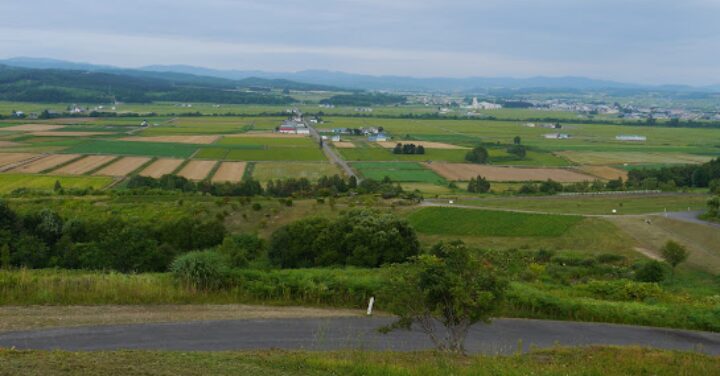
[329, 80]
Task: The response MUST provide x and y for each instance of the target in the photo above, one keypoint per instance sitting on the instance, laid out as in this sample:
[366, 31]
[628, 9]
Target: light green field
[398, 171]
[265, 171]
[10, 182]
[472, 222]
[615, 158]
[154, 149]
[625, 204]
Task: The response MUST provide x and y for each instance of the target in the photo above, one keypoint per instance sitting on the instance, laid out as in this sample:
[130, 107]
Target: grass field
[608, 361]
[375, 153]
[152, 149]
[624, 204]
[471, 222]
[398, 171]
[11, 182]
[265, 171]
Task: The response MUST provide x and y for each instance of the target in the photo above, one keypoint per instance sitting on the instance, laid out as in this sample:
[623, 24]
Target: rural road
[692, 217]
[333, 156]
[503, 336]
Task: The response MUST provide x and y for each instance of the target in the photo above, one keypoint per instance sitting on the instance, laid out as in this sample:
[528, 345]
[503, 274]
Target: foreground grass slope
[588, 361]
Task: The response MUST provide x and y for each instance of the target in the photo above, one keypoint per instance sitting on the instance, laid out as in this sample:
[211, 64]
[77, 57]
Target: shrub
[202, 270]
[241, 249]
[622, 290]
[651, 271]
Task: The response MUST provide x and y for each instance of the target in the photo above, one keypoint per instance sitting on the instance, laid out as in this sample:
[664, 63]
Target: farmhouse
[628, 137]
[557, 136]
[336, 138]
[380, 137]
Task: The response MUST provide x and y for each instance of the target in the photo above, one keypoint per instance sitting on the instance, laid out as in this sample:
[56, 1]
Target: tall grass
[326, 287]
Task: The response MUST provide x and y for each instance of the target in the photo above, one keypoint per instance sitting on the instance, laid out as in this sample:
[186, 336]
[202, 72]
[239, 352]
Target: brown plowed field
[202, 140]
[466, 171]
[161, 167]
[10, 158]
[123, 167]
[32, 128]
[605, 172]
[425, 144]
[229, 171]
[8, 144]
[46, 163]
[84, 165]
[197, 170]
[344, 144]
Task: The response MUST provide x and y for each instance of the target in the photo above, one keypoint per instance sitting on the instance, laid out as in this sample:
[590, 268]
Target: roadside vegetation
[586, 361]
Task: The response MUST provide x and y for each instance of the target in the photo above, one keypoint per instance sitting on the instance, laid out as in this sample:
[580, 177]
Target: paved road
[333, 156]
[692, 217]
[502, 336]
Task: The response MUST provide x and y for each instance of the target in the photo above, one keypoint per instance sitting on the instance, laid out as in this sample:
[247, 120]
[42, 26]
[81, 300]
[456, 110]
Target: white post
[370, 305]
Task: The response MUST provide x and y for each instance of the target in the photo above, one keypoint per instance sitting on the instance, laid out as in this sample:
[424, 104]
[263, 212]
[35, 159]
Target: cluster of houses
[374, 134]
[292, 126]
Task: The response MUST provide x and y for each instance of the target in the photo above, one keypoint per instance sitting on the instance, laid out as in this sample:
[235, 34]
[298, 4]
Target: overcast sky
[642, 41]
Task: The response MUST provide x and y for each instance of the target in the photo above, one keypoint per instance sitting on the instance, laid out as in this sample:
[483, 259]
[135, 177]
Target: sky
[639, 41]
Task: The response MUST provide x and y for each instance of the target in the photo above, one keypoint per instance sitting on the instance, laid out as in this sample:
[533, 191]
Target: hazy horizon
[643, 42]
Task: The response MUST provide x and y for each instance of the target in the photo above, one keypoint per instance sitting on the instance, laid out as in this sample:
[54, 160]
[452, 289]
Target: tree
[478, 185]
[674, 254]
[398, 149]
[517, 140]
[449, 286]
[58, 187]
[714, 207]
[420, 150]
[517, 150]
[5, 256]
[477, 155]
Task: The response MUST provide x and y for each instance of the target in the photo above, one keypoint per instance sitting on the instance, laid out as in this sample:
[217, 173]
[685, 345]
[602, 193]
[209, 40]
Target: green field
[472, 222]
[377, 154]
[398, 171]
[265, 171]
[11, 182]
[153, 149]
[598, 204]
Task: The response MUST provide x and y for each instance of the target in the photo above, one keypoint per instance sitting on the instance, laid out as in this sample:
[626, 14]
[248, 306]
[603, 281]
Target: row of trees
[408, 149]
[45, 239]
[703, 176]
[302, 187]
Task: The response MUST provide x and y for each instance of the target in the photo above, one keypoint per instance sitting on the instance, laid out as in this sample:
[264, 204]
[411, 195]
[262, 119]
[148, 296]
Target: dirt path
[15, 318]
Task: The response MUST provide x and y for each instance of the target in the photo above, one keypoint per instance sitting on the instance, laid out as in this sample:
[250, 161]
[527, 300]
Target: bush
[651, 271]
[202, 270]
[622, 290]
[242, 249]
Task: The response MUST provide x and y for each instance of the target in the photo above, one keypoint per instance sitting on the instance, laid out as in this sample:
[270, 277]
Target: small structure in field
[557, 136]
[380, 137]
[631, 137]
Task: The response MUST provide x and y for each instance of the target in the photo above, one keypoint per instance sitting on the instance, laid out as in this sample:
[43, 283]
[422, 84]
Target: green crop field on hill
[471, 222]
[398, 171]
[11, 182]
[154, 149]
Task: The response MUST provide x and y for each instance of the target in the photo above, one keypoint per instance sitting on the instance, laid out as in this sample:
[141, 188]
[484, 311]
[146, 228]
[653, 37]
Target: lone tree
[444, 293]
[477, 155]
[517, 140]
[674, 254]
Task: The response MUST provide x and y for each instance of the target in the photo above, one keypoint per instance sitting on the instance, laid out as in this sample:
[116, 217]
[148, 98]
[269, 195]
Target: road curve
[503, 336]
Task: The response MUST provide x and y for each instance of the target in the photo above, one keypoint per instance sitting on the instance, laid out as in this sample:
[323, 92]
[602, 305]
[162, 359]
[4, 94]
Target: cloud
[642, 40]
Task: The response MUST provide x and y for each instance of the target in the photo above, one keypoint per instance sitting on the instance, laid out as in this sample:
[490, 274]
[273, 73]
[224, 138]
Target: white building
[629, 137]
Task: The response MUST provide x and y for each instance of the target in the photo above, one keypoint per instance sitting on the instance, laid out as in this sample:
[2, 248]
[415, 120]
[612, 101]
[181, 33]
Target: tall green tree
[674, 254]
[477, 155]
[444, 292]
